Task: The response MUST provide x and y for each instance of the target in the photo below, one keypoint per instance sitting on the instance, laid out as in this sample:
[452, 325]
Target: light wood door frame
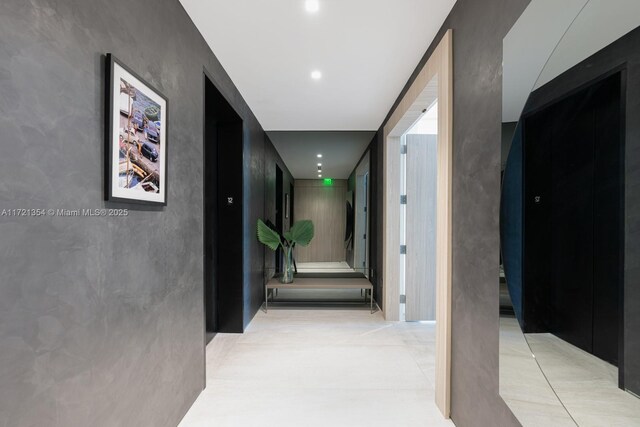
[438, 69]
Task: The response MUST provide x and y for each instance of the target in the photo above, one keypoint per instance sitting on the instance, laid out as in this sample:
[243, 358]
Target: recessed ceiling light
[319, 156]
[312, 6]
[319, 164]
[319, 175]
[316, 75]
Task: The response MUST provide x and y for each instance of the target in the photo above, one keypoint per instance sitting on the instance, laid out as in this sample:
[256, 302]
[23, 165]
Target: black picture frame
[140, 166]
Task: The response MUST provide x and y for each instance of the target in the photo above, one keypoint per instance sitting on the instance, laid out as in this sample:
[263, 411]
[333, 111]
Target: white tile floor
[562, 386]
[523, 386]
[586, 385]
[320, 368]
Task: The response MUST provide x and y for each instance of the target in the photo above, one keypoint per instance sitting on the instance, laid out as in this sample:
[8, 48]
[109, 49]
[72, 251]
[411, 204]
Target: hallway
[320, 368]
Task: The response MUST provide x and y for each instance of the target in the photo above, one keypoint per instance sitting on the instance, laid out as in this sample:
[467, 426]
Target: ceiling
[526, 49]
[366, 51]
[573, 31]
[340, 151]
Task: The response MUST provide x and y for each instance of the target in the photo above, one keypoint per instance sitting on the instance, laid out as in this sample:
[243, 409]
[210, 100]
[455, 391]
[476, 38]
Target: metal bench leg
[371, 301]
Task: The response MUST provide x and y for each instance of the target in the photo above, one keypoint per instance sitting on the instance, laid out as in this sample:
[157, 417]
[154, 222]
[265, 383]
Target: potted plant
[300, 233]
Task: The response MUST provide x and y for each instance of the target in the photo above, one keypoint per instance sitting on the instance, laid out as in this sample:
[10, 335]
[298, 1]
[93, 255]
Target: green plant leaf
[267, 236]
[301, 233]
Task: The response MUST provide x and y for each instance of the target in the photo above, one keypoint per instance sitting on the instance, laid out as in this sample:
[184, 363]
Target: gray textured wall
[101, 319]
[478, 30]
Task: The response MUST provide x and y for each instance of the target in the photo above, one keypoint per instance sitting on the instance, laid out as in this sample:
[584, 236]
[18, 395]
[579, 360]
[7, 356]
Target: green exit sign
[327, 181]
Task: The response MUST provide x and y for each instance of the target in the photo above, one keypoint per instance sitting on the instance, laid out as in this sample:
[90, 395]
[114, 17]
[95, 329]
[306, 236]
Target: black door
[573, 226]
[572, 149]
[210, 212]
[223, 245]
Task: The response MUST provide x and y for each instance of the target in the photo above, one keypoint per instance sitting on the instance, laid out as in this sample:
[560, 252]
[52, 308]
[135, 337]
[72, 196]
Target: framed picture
[136, 138]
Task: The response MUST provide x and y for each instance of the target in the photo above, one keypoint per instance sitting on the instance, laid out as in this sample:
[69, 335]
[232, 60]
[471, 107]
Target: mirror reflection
[569, 303]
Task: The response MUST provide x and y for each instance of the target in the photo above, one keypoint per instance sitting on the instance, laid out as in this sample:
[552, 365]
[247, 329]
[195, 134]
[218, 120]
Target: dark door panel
[573, 218]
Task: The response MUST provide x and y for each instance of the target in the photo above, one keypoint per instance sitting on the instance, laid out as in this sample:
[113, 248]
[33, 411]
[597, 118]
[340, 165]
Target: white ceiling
[527, 47]
[340, 152]
[600, 23]
[365, 49]
[573, 31]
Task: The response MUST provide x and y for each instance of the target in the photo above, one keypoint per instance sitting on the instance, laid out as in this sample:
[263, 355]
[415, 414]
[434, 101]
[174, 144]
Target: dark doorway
[222, 214]
[279, 213]
[573, 218]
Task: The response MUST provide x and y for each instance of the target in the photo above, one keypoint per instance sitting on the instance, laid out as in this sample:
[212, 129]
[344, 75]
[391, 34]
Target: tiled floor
[320, 368]
[563, 385]
[523, 385]
[586, 385]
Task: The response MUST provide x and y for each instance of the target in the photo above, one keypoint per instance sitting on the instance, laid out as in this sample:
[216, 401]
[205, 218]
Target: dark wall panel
[253, 208]
[210, 165]
[511, 218]
[101, 319]
[608, 272]
[271, 160]
[536, 253]
[230, 250]
[577, 181]
[375, 209]
[351, 186]
[376, 183]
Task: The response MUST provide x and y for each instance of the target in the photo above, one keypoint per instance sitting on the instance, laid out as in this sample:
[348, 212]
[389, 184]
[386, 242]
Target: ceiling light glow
[316, 75]
[312, 6]
[319, 156]
[319, 164]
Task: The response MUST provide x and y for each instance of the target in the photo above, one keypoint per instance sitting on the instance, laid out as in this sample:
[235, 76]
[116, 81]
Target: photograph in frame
[136, 138]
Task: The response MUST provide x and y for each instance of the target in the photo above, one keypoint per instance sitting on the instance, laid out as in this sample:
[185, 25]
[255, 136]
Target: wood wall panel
[326, 207]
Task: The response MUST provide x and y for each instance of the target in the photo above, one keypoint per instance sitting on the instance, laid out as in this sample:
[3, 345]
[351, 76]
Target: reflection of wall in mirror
[623, 53]
[325, 206]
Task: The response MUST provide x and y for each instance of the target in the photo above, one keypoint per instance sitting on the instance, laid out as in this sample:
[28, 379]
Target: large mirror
[570, 214]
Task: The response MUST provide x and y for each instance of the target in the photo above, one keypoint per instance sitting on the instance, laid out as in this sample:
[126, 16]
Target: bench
[319, 283]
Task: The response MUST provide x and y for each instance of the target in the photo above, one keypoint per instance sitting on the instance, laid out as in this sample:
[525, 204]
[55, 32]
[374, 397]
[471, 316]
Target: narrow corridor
[320, 368]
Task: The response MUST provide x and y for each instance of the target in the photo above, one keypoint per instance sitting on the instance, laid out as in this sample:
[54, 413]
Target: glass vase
[287, 268]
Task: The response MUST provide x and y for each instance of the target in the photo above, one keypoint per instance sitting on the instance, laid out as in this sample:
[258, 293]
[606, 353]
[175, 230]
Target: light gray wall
[478, 30]
[101, 319]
